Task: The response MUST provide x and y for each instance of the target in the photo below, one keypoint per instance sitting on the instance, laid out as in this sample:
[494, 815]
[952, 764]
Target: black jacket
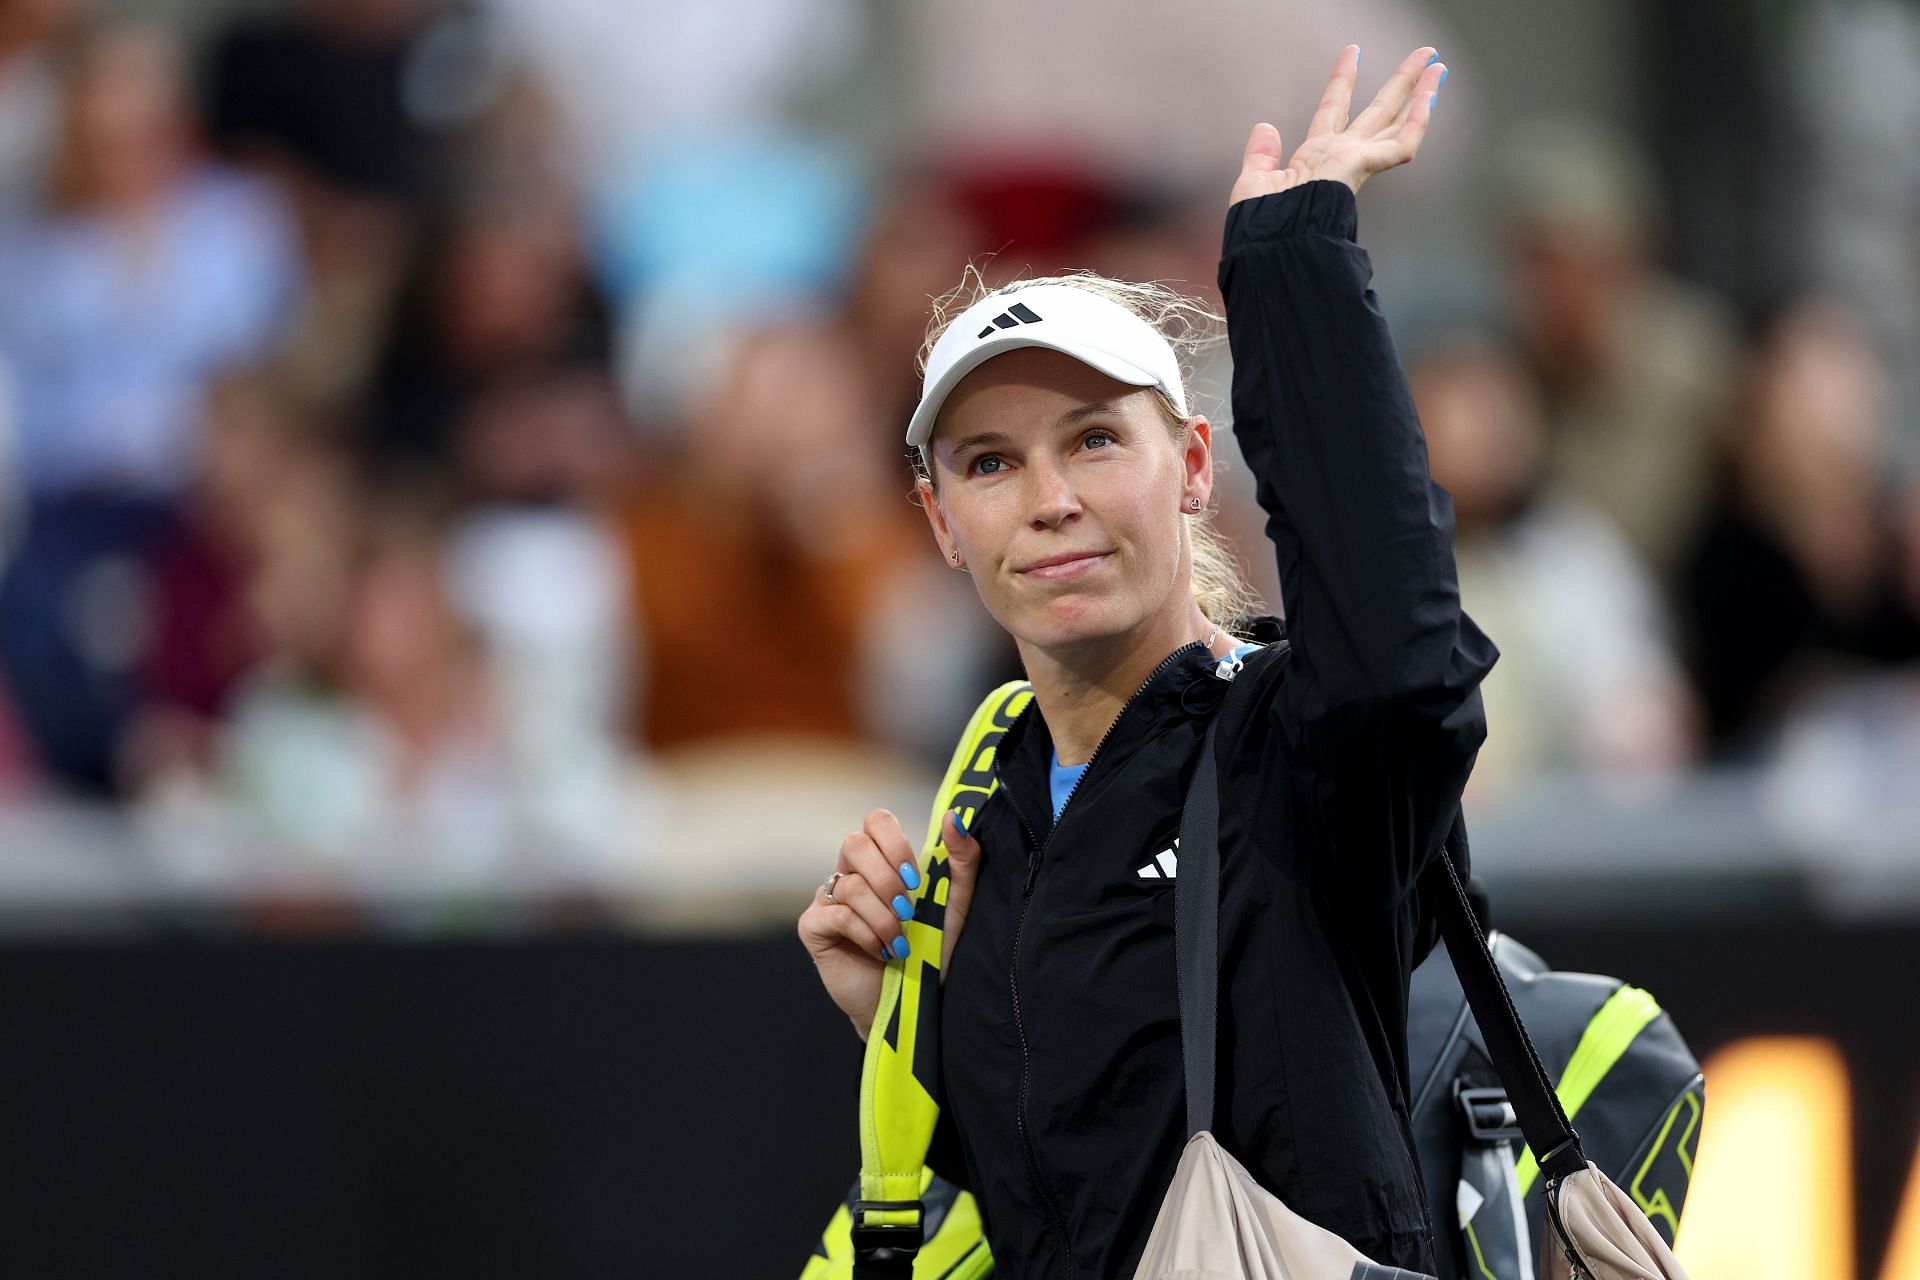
[1340, 770]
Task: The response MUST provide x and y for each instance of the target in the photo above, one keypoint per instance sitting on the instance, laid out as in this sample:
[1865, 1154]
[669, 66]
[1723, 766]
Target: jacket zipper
[1037, 849]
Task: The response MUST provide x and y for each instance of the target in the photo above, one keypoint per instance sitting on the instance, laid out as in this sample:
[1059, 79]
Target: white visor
[1074, 321]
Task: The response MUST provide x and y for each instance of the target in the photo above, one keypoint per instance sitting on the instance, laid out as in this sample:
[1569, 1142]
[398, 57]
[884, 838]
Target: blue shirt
[110, 336]
[1064, 777]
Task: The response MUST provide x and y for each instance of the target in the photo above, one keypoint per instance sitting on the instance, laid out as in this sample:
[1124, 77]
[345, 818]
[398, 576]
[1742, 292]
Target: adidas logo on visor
[1165, 864]
[1018, 313]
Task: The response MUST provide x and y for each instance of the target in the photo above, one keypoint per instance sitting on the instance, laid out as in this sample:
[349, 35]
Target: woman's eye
[1098, 435]
[981, 461]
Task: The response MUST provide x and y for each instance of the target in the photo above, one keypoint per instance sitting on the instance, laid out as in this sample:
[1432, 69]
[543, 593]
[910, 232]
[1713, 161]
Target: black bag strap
[1196, 953]
[1196, 932]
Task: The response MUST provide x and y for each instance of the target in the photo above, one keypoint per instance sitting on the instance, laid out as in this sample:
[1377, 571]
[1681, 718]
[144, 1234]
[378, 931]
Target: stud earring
[1194, 503]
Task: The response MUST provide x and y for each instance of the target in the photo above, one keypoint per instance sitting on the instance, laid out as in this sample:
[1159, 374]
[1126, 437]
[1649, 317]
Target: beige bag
[1217, 1223]
[1611, 1235]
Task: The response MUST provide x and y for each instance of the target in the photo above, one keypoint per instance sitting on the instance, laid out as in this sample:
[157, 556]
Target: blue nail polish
[900, 947]
[961, 823]
[1443, 76]
[910, 875]
[1435, 58]
[901, 907]
[1433, 100]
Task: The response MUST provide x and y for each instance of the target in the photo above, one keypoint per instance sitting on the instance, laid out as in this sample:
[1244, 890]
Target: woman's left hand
[1383, 136]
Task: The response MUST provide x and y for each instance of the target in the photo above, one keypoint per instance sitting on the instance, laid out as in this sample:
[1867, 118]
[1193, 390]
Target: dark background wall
[607, 1106]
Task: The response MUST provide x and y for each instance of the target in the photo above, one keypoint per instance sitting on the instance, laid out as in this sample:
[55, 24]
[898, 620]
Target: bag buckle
[888, 1232]
[1488, 1114]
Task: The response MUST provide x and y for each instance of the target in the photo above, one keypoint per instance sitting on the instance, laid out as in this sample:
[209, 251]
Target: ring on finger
[828, 884]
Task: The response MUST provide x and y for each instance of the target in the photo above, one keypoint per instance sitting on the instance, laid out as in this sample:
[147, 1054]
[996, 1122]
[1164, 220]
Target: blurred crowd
[457, 414]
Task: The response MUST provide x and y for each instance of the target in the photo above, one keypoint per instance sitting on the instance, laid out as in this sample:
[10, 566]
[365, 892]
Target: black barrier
[549, 1109]
[601, 1107]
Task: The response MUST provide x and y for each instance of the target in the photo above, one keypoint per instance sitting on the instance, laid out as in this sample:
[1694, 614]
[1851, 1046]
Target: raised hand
[853, 934]
[1385, 135]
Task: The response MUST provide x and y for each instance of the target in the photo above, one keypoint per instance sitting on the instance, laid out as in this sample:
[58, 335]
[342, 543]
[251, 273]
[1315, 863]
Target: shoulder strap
[1196, 933]
[1196, 959]
[899, 1080]
[1196, 916]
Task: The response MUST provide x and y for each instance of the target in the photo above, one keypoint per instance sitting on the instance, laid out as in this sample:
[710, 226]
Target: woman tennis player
[1063, 468]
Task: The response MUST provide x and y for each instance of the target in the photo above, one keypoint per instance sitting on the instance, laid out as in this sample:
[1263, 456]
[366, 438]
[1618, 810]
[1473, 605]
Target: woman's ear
[1197, 460]
[937, 520]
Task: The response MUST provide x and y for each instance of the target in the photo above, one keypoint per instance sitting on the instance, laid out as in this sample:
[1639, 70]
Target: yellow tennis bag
[900, 1222]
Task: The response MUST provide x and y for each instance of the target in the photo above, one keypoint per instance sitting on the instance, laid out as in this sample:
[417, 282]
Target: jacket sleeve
[1381, 699]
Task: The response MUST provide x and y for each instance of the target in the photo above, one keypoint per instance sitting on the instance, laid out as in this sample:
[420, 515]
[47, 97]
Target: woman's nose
[1054, 498]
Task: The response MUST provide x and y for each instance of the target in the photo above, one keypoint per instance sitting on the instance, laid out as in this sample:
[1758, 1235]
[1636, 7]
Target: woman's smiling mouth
[1070, 565]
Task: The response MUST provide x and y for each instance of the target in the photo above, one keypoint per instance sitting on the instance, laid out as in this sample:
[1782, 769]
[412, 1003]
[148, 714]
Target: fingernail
[900, 947]
[1444, 73]
[1435, 58]
[1433, 100]
[901, 907]
[961, 824]
[910, 874]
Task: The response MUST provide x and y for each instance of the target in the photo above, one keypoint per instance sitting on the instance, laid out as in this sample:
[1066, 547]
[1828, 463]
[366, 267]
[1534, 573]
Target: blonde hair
[1190, 327]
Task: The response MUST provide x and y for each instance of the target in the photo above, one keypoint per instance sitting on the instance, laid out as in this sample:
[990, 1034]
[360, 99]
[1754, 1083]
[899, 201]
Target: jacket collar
[1181, 688]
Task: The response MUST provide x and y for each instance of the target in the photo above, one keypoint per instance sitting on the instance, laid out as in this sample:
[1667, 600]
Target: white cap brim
[1092, 329]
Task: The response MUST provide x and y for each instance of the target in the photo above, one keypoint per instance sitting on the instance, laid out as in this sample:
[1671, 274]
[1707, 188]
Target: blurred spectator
[359, 666]
[547, 439]
[1807, 568]
[663, 108]
[140, 275]
[220, 601]
[381, 714]
[29, 94]
[330, 90]
[498, 297]
[143, 273]
[1635, 368]
[1856, 105]
[351, 106]
[543, 579]
[688, 262]
[546, 590]
[914, 250]
[1037, 214]
[1586, 678]
[762, 551]
[74, 621]
[631, 76]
